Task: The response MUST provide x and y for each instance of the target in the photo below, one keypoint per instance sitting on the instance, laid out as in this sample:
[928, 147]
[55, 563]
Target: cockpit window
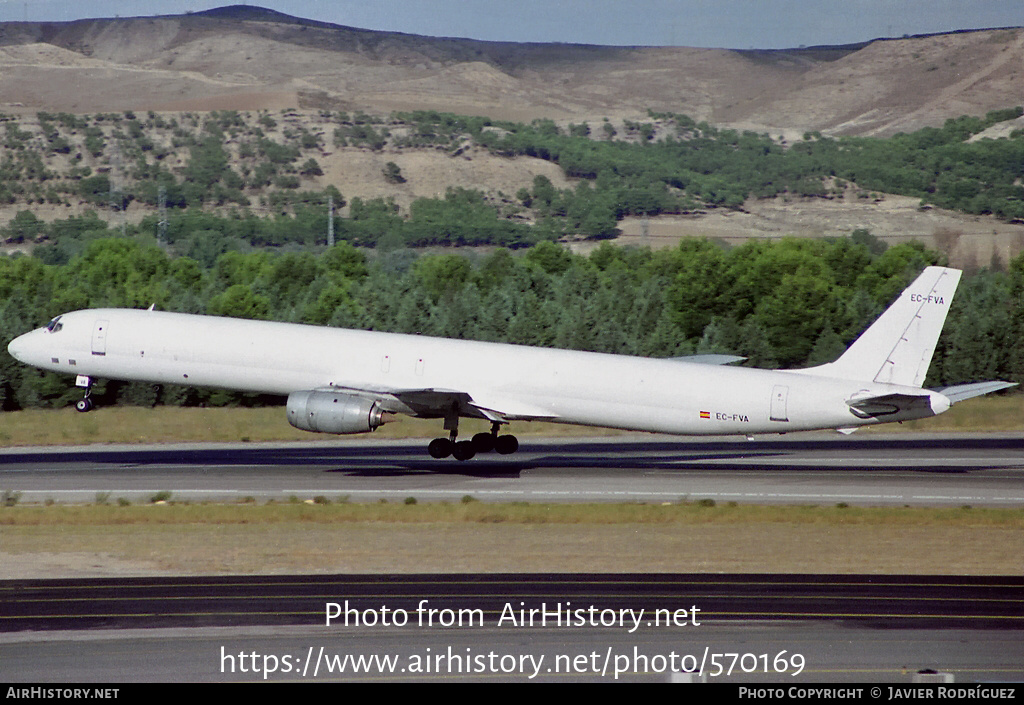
[55, 325]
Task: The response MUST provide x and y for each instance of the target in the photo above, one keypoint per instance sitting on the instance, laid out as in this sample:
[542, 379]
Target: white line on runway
[945, 461]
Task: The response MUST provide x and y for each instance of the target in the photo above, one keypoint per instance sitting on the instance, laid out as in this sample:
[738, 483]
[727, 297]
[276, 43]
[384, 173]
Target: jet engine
[333, 412]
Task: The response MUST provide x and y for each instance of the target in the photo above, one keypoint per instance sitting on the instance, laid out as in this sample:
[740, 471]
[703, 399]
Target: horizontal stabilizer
[710, 359]
[959, 392]
[890, 404]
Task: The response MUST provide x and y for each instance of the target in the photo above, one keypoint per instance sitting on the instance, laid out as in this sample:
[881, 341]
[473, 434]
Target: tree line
[787, 303]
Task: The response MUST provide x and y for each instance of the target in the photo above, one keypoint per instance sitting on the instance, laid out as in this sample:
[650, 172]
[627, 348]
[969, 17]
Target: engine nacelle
[333, 412]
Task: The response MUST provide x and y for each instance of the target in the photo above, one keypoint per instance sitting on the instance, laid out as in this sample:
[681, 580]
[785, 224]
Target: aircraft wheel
[83, 405]
[483, 443]
[506, 444]
[463, 450]
[440, 448]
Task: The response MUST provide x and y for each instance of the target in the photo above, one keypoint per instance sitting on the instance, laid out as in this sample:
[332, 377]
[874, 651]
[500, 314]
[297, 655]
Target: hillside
[433, 179]
[299, 107]
[245, 58]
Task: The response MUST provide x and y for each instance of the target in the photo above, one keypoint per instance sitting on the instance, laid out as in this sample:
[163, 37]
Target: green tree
[441, 276]
[393, 174]
[239, 301]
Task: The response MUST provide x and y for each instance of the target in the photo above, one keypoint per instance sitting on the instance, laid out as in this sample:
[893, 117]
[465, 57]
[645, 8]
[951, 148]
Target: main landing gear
[481, 443]
[84, 404]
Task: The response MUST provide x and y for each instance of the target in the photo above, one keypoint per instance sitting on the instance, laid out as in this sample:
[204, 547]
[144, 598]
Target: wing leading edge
[960, 392]
[441, 403]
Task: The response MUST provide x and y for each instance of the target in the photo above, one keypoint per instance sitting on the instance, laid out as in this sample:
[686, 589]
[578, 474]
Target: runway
[875, 470]
[751, 627]
[511, 600]
[550, 627]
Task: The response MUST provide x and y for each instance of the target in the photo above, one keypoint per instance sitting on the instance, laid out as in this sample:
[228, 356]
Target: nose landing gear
[84, 404]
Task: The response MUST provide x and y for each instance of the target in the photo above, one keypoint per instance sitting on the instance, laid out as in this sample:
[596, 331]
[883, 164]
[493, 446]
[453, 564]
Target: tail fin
[897, 348]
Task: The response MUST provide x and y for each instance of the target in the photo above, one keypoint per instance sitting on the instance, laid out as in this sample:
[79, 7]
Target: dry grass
[469, 511]
[172, 424]
[515, 539]
[968, 241]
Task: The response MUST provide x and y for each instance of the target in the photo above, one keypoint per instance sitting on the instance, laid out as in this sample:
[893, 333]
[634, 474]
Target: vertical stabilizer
[897, 348]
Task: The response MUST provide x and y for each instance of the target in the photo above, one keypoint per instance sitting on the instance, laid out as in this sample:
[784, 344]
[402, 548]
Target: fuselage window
[55, 325]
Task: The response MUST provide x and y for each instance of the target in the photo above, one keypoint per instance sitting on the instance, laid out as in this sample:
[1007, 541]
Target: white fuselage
[644, 394]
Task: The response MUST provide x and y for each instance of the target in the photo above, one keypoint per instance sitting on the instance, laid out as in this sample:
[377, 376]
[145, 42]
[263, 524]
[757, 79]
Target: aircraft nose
[21, 347]
[16, 348]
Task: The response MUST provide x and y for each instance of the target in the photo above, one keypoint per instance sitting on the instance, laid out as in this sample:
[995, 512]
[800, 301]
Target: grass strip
[475, 537]
[469, 511]
[178, 424]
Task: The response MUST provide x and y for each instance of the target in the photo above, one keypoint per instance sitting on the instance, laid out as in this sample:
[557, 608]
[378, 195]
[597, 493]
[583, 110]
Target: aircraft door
[780, 396]
[99, 338]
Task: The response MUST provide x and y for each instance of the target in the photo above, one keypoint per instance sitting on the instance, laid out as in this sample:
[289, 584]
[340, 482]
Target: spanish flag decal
[705, 414]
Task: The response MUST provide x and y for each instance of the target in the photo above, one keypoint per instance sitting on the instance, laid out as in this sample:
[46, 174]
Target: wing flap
[496, 408]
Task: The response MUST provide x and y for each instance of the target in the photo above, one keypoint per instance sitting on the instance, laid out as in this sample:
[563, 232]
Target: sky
[733, 24]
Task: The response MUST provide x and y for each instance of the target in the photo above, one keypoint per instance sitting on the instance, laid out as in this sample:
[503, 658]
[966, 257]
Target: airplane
[350, 381]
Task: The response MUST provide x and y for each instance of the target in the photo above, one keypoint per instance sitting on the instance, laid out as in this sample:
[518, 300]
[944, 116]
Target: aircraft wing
[959, 392]
[496, 408]
[437, 403]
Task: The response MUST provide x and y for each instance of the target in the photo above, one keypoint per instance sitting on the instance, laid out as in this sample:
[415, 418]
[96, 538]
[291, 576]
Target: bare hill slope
[249, 58]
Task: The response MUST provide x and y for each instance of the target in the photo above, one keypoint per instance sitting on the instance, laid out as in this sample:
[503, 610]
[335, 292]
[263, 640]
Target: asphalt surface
[752, 628]
[895, 469]
[735, 628]
[880, 601]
